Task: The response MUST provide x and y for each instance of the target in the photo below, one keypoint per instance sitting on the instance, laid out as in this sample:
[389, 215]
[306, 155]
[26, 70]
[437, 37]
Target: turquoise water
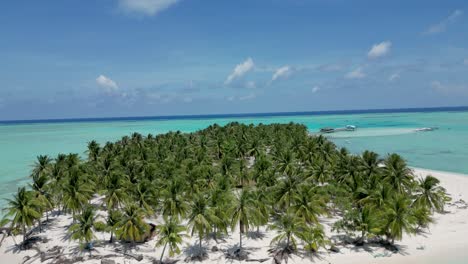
[443, 149]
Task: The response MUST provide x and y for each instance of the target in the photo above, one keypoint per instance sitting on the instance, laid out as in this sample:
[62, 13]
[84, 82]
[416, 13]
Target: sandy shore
[445, 242]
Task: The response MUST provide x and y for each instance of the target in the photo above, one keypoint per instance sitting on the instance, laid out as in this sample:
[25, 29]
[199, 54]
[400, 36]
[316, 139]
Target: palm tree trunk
[24, 234]
[240, 240]
[112, 236]
[200, 242]
[162, 254]
[287, 242]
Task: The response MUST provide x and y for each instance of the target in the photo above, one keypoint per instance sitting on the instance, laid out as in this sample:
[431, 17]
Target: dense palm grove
[219, 180]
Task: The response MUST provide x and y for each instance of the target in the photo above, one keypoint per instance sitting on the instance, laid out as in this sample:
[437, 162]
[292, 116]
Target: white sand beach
[445, 242]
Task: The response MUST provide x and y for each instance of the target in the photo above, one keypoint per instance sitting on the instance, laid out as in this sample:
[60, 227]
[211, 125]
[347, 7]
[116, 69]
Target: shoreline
[445, 242]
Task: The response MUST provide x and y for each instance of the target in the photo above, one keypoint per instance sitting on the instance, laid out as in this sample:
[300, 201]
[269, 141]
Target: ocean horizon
[234, 115]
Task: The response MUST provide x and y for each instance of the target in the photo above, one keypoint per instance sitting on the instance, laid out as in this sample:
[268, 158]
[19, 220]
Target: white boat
[331, 130]
[425, 129]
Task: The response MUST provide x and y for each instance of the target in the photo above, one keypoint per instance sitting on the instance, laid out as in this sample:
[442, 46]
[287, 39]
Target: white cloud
[231, 98]
[394, 77]
[283, 72]
[379, 50]
[465, 62]
[315, 89]
[356, 74]
[107, 84]
[442, 25]
[145, 7]
[240, 70]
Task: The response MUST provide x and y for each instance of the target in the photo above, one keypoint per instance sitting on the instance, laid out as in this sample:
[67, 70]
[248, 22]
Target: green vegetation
[229, 179]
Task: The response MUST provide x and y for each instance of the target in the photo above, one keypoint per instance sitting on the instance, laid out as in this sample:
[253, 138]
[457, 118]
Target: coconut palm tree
[170, 234]
[115, 193]
[289, 228]
[83, 229]
[113, 219]
[220, 201]
[131, 227]
[314, 238]
[243, 212]
[41, 188]
[397, 174]
[201, 218]
[307, 204]
[93, 150]
[287, 187]
[285, 161]
[76, 191]
[366, 220]
[41, 165]
[430, 194]
[399, 218]
[173, 203]
[23, 210]
[145, 196]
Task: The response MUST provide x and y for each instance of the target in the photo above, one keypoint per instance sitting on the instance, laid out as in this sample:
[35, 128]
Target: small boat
[425, 129]
[327, 130]
[331, 129]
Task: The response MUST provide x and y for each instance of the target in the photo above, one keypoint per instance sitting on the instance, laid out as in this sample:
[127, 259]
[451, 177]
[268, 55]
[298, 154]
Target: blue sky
[65, 59]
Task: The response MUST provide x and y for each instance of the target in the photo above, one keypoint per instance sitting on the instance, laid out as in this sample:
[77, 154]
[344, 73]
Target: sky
[107, 58]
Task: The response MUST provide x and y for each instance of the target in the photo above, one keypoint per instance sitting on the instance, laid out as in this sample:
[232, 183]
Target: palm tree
[41, 165]
[314, 238]
[307, 204]
[173, 202]
[285, 161]
[366, 220]
[170, 233]
[113, 218]
[131, 227]
[289, 228]
[83, 230]
[93, 150]
[320, 171]
[399, 218]
[41, 188]
[115, 193]
[243, 212]
[220, 202]
[77, 192]
[145, 196]
[287, 187]
[430, 194]
[201, 218]
[397, 174]
[24, 210]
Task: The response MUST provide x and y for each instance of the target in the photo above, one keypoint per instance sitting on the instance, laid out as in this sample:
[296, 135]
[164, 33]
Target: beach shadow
[255, 235]
[195, 253]
[234, 252]
[216, 237]
[312, 256]
[422, 232]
